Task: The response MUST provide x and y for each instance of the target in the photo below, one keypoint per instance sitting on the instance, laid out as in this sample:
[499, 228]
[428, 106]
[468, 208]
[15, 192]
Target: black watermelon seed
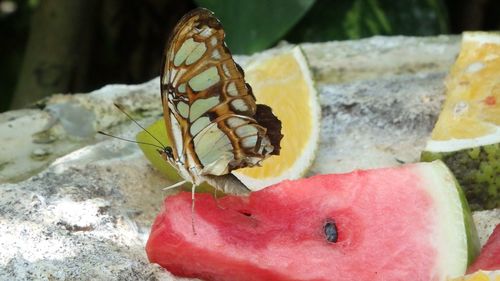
[331, 233]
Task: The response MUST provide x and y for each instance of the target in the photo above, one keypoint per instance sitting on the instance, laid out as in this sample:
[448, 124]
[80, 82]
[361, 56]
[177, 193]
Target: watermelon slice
[489, 258]
[406, 223]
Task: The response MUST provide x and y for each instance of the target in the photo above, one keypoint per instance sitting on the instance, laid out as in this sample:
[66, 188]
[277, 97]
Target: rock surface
[78, 205]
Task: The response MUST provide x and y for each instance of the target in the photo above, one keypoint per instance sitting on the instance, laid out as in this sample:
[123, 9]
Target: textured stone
[78, 205]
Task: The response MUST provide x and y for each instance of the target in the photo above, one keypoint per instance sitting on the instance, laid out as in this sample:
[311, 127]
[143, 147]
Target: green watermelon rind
[473, 244]
[455, 217]
[477, 169]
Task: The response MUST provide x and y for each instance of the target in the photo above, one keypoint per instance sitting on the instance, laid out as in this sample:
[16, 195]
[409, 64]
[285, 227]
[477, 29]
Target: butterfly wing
[210, 112]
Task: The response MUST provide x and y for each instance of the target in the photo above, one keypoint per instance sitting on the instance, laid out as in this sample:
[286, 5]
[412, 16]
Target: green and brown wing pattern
[210, 112]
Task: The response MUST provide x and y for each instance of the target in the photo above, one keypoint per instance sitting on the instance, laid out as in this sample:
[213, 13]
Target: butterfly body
[210, 112]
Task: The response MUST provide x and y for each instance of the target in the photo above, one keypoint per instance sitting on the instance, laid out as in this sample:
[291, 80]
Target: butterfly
[211, 115]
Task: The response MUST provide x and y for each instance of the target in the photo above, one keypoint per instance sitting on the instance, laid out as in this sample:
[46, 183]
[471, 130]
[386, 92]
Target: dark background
[71, 46]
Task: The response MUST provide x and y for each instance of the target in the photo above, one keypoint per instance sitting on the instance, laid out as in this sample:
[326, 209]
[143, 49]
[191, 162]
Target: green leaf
[252, 26]
[348, 19]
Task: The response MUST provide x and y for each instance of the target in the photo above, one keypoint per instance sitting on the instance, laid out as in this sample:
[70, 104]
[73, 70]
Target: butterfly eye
[166, 153]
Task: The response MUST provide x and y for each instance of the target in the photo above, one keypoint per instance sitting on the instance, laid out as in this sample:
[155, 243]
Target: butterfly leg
[193, 187]
[217, 200]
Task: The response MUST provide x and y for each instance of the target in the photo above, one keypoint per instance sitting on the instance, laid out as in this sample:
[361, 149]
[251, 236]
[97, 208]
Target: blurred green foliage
[353, 19]
[14, 33]
[251, 26]
[255, 25]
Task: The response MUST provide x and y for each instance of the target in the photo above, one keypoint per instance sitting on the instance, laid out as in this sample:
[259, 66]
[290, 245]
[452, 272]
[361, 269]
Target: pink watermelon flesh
[489, 258]
[384, 219]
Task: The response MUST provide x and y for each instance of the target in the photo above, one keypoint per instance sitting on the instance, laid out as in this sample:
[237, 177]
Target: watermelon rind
[477, 169]
[473, 243]
[449, 229]
[455, 217]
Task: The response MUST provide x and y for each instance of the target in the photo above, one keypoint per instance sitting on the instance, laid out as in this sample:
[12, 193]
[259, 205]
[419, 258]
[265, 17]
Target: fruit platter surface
[74, 203]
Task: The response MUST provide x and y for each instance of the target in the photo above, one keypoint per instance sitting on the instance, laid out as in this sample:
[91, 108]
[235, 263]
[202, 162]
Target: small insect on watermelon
[210, 113]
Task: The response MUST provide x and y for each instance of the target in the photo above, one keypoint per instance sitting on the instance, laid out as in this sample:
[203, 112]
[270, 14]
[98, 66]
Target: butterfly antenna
[137, 123]
[175, 185]
[138, 142]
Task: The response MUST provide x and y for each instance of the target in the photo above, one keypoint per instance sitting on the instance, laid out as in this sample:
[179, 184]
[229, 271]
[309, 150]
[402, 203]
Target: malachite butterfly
[212, 119]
